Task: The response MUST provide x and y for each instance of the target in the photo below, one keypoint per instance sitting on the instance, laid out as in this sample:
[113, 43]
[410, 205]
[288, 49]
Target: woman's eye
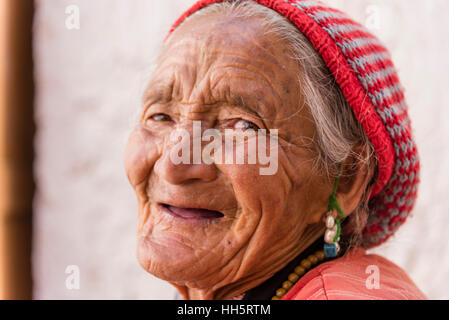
[245, 125]
[161, 117]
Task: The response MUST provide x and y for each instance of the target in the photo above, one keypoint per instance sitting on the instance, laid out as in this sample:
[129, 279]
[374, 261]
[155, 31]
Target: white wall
[89, 82]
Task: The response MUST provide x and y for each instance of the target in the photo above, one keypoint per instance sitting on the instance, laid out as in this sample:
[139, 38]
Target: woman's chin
[172, 261]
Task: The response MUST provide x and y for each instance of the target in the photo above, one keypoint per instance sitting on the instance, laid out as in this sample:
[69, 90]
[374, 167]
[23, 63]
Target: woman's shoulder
[356, 276]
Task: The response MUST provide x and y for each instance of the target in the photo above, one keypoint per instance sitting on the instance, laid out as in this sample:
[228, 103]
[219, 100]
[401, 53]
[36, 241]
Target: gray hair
[338, 131]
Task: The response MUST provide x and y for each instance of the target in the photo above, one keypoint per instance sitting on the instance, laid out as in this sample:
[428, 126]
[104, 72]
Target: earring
[331, 236]
[333, 223]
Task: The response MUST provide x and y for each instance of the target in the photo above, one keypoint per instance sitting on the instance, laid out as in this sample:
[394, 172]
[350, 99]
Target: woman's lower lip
[191, 213]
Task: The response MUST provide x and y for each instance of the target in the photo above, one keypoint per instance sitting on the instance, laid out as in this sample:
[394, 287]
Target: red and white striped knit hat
[363, 69]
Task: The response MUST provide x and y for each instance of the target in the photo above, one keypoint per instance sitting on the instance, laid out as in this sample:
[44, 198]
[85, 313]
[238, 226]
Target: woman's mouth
[190, 213]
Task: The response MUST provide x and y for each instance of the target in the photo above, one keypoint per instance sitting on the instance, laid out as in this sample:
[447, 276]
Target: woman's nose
[184, 173]
[191, 167]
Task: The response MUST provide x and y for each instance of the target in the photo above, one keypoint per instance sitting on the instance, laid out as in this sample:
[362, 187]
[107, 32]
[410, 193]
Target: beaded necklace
[299, 271]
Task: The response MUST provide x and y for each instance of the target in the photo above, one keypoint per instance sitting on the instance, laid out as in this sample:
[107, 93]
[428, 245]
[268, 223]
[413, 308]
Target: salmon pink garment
[345, 278]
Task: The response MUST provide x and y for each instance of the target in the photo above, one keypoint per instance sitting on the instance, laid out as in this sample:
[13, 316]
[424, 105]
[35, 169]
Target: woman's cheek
[253, 191]
[141, 153]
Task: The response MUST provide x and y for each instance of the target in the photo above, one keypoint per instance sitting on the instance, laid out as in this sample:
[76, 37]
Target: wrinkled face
[203, 224]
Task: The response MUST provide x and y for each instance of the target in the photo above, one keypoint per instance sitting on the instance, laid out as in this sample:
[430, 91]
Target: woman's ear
[356, 174]
[355, 177]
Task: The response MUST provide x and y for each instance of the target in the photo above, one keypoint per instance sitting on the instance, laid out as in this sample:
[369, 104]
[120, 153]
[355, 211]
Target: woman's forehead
[222, 25]
[221, 35]
[220, 48]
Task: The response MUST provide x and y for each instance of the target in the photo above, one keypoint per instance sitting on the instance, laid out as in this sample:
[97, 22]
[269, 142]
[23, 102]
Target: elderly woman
[321, 96]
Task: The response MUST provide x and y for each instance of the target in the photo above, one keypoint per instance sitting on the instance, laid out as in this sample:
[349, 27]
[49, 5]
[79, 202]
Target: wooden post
[16, 148]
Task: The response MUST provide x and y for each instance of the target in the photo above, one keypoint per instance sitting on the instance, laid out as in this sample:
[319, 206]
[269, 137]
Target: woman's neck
[235, 288]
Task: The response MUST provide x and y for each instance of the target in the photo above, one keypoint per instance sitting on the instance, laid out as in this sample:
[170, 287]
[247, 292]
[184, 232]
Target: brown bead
[280, 292]
[293, 277]
[306, 264]
[299, 270]
[275, 298]
[312, 258]
[287, 285]
[320, 255]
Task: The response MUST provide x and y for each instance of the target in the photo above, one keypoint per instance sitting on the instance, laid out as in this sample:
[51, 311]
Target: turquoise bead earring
[333, 219]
